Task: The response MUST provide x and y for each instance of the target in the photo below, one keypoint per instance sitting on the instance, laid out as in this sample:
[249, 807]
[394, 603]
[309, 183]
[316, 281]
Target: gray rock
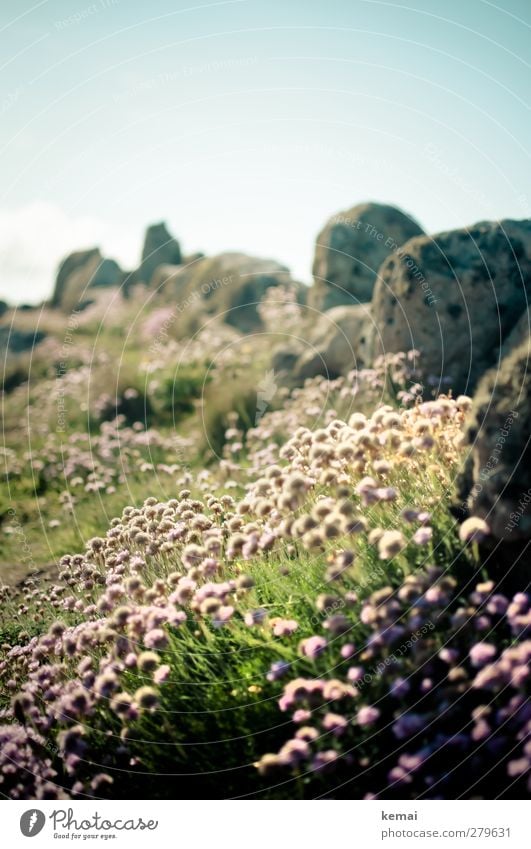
[160, 248]
[456, 298]
[81, 271]
[351, 248]
[342, 339]
[495, 483]
[228, 285]
[73, 262]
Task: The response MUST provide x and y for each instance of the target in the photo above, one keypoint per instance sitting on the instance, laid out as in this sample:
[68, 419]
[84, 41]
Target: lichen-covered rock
[228, 285]
[495, 484]
[350, 249]
[519, 334]
[160, 248]
[341, 339]
[455, 297]
[81, 271]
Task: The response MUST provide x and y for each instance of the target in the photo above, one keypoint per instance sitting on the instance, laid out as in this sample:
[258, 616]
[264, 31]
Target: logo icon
[32, 822]
[266, 390]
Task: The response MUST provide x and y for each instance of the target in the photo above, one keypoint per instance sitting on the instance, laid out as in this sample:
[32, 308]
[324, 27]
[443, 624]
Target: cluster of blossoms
[217, 345]
[320, 401]
[279, 309]
[98, 462]
[433, 701]
[419, 675]
[354, 479]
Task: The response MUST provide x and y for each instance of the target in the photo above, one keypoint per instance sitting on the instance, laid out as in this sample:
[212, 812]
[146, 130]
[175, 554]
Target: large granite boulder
[344, 338]
[455, 297]
[495, 482]
[351, 248]
[160, 248]
[81, 271]
[228, 285]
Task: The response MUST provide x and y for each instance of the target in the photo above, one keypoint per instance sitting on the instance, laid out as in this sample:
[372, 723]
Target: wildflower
[367, 716]
[283, 627]
[390, 544]
[481, 654]
[156, 639]
[301, 715]
[254, 617]
[277, 670]
[121, 703]
[473, 529]
[312, 647]
[324, 760]
[408, 724]
[335, 723]
[148, 661]
[307, 733]
[161, 674]
[269, 764]
[422, 536]
[146, 698]
[294, 751]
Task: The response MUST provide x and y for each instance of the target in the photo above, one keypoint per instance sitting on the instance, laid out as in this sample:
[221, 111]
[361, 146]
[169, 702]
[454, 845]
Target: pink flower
[284, 627]
[482, 653]
[335, 723]
[312, 647]
[422, 536]
[367, 715]
[161, 674]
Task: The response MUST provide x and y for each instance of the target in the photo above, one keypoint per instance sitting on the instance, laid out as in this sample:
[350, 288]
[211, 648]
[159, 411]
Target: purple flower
[482, 653]
[277, 670]
[400, 687]
[408, 724]
[312, 647]
[422, 536]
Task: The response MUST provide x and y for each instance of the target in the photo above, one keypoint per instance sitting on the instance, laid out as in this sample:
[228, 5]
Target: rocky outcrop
[495, 483]
[342, 339]
[81, 271]
[455, 297]
[351, 248]
[160, 248]
[228, 285]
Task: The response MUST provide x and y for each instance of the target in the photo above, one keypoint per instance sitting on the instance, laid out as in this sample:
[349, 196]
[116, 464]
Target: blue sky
[245, 124]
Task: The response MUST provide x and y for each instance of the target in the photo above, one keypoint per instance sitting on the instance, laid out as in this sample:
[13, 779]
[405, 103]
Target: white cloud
[35, 237]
